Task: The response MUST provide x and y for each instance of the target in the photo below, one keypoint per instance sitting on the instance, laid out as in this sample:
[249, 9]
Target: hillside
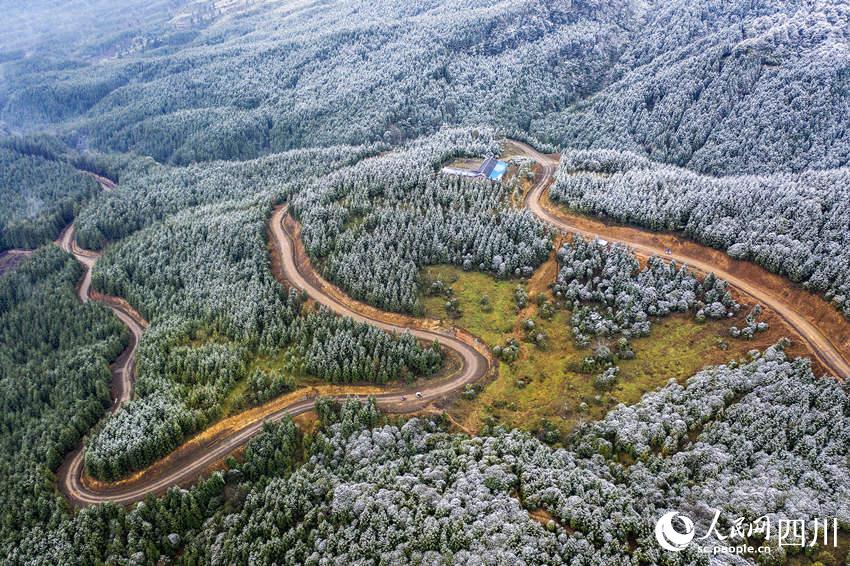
[261, 301]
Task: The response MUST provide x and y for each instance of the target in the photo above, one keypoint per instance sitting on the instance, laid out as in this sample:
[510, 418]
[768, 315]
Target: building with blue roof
[492, 168]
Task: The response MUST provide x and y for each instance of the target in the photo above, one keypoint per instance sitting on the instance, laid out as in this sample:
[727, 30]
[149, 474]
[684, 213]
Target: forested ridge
[376, 224]
[725, 88]
[794, 224]
[724, 121]
[38, 195]
[729, 87]
[150, 192]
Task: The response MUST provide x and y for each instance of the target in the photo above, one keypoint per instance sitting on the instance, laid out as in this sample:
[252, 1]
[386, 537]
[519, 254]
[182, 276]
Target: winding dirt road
[291, 267]
[745, 277]
[186, 463]
[10, 258]
[123, 369]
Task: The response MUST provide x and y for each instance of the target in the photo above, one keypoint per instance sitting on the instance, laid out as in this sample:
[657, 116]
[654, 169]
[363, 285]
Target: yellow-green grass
[830, 555]
[234, 402]
[272, 363]
[554, 389]
[468, 288]
[470, 163]
[676, 348]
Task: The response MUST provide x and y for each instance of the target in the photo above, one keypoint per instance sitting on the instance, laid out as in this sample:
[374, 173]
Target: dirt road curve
[123, 369]
[827, 351]
[291, 265]
[191, 459]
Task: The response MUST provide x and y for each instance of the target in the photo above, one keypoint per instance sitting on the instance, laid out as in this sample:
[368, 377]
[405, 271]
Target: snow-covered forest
[725, 87]
[149, 192]
[794, 224]
[54, 385]
[207, 266]
[378, 223]
[723, 121]
[625, 297]
[204, 271]
[413, 493]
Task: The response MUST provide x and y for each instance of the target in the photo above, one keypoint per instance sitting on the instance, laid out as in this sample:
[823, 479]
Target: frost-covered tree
[610, 294]
[797, 225]
[374, 225]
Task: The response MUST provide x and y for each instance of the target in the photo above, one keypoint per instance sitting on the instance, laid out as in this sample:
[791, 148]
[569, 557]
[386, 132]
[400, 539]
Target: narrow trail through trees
[293, 268]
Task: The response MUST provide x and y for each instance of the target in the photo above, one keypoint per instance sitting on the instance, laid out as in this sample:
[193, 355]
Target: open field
[546, 384]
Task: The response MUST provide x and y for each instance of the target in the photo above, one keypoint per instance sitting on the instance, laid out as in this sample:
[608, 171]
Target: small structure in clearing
[491, 168]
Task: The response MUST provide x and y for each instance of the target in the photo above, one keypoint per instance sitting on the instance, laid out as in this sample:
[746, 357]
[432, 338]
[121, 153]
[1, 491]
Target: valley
[298, 282]
[528, 406]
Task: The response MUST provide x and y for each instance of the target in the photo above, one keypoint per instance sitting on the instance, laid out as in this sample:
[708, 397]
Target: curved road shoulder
[291, 267]
[825, 338]
[195, 456]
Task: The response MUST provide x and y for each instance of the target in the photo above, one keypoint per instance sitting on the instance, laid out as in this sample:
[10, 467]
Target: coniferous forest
[40, 196]
[721, 123]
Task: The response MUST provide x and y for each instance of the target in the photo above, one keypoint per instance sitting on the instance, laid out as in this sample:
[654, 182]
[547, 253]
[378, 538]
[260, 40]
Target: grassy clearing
[234, 402]
[469, 288]
[280, 361]
[470, 163]
[542, 390]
